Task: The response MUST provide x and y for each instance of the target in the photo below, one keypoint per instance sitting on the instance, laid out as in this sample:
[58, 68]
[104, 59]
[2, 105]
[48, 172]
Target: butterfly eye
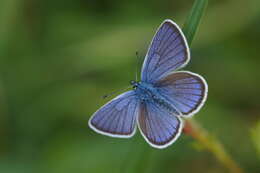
[134, 83]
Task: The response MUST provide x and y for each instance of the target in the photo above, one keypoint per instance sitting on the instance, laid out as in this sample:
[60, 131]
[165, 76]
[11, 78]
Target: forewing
[159, 127]
[117, 118]
[168, 51]
[186, 91]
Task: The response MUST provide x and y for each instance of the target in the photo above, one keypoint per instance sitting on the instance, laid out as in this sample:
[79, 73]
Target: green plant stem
[193, 20]
[212, 144]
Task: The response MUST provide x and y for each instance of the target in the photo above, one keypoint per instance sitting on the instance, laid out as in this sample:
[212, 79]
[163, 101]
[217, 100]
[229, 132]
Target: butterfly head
[134, 83]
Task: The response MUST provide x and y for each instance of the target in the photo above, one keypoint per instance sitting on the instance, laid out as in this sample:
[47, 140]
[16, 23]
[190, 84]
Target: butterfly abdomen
[165, 105]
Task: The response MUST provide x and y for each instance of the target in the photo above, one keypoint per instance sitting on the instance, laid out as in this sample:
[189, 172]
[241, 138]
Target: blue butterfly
[162, 97]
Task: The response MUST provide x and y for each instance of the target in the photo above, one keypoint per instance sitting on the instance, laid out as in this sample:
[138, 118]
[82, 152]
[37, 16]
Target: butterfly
[162, 97]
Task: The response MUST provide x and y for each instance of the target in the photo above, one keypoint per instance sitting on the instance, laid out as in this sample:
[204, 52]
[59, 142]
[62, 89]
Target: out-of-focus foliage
[58, 57]
[255, 132]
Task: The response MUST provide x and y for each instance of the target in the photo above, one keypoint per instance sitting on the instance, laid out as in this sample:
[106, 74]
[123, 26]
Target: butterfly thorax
[145, 91]
[148, 93]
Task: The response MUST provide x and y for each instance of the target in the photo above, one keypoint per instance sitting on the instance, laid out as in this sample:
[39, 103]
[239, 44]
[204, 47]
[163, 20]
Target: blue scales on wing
[158, 126]
[168, 51]
[117, 118]
[184, 90]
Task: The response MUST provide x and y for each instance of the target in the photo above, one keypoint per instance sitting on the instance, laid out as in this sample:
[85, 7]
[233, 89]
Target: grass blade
[193, 20]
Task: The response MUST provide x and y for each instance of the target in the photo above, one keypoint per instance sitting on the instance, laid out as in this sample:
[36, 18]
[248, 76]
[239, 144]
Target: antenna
[114, 92]
[136, 79]
[136, 70]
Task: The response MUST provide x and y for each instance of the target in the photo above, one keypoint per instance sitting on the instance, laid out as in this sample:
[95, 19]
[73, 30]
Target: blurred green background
[58, 57]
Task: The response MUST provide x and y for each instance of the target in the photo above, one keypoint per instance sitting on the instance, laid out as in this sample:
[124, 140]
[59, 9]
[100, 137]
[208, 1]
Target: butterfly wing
[186, 91]
[168, 51]
[117, 118]
[159, 128]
